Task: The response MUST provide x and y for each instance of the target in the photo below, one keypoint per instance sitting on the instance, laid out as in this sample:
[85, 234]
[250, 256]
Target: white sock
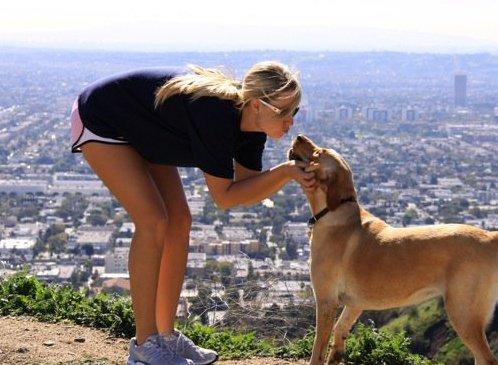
[169, 337]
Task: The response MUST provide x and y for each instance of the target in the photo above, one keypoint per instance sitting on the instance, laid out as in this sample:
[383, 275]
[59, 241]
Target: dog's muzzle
[292, 156]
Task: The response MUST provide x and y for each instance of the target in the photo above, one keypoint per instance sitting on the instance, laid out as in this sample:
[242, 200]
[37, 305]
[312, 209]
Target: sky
[441, 26]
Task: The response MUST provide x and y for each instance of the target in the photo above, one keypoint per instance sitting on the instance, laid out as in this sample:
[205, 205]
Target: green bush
[372, 347]
[23, 294]
[228, 344]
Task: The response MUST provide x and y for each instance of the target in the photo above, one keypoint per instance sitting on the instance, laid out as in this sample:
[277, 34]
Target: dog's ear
[333, 194]
[339, 186]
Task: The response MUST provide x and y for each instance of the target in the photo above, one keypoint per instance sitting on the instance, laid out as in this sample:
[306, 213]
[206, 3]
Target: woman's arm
[227, 193]
[241, 172]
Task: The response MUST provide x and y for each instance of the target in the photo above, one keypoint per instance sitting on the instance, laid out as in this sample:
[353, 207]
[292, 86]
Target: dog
[362, 263]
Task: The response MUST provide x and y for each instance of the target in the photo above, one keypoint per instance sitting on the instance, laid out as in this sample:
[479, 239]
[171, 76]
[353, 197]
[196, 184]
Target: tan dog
[361, 262]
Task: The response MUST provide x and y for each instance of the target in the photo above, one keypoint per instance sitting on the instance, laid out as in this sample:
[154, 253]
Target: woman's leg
[175, 250]
[125, 174]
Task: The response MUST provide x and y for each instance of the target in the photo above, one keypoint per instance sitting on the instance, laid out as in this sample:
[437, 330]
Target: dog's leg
[469, 313]
[325, 317]
[348, 317]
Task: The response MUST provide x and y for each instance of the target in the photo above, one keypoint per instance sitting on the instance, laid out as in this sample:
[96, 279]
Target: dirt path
[24, 340]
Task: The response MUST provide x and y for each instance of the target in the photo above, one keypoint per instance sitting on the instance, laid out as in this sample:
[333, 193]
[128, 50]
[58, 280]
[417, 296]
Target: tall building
[460, 90]
[343, 113]
[380, 115]
[409, 114]
[376, 114]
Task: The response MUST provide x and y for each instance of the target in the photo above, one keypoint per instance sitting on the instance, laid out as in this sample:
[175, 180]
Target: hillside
[25, 340]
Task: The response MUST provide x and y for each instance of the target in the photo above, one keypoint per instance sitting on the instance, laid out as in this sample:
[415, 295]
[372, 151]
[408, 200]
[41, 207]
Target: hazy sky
[352, 25]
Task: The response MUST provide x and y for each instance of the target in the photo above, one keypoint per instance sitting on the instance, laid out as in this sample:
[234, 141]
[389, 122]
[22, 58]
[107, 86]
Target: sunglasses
[277, 110]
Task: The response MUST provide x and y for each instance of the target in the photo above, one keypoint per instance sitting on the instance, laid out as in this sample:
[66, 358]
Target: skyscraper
[408, 114]
[460, 90]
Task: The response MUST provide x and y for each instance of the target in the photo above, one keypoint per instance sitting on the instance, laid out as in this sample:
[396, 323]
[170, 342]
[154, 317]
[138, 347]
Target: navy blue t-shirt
[204, 133]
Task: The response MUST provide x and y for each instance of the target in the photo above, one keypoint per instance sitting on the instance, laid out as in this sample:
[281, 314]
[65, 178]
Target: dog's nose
[300, 138]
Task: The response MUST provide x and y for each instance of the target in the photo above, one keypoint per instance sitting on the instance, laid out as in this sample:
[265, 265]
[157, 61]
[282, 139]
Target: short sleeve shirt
[181, 132]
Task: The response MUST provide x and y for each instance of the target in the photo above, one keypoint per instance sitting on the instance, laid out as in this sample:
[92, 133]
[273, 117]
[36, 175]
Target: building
[64, 182]
[409, 115]
[460, 90]
[343, 113]
[127, 228]
[296, 232]
[196, 264]
[97, 238]
[380, 115]
[117, 261]
[22, 186]
[376, 114]
[19, 246]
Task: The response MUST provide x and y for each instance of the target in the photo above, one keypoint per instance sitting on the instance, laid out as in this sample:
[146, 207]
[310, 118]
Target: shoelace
[153, 349]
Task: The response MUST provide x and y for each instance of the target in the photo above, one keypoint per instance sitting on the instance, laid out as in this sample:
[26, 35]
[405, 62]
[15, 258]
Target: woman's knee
[156, 225]
[179, 223]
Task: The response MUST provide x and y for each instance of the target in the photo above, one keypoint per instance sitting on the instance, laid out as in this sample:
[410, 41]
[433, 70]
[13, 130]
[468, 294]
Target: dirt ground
[24, 340]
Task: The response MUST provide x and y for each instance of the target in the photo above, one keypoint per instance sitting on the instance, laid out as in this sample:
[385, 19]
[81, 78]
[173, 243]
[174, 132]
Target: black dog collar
[324, 211]
[315, 218]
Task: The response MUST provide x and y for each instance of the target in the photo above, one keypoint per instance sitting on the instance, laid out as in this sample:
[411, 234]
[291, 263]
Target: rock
[22, 350]
[49, 343]
[79, 339]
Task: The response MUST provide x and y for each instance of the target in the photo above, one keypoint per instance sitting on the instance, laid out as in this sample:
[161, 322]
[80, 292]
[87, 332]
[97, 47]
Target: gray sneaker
[152, 353]
[186, 348]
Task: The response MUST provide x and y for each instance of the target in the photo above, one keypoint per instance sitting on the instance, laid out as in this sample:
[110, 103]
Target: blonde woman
[146, 123]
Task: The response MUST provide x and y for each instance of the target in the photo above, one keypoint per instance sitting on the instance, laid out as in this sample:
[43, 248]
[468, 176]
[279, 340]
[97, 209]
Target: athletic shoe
[186, 348]
[152, 353]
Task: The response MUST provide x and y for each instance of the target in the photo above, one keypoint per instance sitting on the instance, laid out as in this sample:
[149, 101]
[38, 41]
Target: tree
[226, 269]
[57, 243]
[96, 218]
[72, 206]
[410, 214]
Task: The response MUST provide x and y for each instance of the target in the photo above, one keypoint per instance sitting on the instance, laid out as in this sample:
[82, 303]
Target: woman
[147, 123]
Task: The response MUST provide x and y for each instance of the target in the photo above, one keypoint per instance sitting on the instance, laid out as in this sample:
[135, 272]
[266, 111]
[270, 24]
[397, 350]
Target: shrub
[372, 347]
[23, 294]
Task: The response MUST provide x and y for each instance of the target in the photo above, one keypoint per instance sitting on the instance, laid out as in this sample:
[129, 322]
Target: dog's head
[334, 176]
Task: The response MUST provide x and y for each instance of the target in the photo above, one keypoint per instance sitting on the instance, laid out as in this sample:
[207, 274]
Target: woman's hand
[304, 174]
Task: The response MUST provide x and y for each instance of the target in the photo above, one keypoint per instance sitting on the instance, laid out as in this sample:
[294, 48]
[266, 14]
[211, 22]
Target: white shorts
[81, 135]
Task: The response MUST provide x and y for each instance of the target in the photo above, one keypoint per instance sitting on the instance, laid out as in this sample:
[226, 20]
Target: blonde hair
[267, 80]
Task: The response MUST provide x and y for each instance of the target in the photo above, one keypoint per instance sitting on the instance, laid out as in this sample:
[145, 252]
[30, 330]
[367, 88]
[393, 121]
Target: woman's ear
[254, 105]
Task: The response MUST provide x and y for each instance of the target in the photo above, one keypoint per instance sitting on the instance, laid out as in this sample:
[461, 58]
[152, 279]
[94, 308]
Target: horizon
[425, 26]
[20, 47]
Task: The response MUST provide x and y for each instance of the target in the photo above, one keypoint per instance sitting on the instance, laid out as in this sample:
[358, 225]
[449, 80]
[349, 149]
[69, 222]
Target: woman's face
[272, 123]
